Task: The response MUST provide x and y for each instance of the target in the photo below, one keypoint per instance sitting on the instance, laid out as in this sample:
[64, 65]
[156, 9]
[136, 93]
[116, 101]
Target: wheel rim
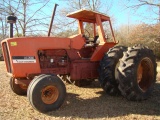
[145, 74]
[49, 94]
[116, 71]
[24, 87]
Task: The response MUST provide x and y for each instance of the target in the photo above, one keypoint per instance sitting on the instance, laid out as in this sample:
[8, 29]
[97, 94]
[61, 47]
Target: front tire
[17, 88]
[46, 93]
[137, 73]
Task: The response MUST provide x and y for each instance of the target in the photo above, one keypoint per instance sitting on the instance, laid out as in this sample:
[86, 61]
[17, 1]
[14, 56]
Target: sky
[119, 13]
[122, 16]
[126, 15]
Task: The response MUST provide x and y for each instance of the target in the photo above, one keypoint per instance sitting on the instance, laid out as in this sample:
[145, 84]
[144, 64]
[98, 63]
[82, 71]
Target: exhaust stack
[52, 18]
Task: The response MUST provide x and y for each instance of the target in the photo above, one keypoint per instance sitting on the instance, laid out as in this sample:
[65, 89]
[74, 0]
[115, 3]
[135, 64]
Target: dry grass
[81, 103]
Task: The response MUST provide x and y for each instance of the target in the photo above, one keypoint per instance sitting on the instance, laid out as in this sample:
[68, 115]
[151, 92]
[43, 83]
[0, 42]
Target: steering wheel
[86, 33]
[106, 36]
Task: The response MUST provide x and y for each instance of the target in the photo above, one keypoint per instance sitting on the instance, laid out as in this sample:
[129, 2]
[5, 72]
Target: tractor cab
[91, 26]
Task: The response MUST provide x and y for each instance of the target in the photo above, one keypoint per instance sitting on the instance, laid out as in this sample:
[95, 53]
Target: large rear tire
[137, 73]
[46, 93]
[108, 70]
[17, 88]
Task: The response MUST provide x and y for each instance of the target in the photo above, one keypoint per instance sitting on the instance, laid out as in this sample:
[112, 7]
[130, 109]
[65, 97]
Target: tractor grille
[6, 55]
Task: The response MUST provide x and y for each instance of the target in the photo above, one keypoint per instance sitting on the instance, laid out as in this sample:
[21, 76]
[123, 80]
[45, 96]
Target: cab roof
[88, 15]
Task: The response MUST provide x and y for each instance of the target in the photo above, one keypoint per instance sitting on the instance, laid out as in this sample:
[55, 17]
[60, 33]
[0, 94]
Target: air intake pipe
[11, 19]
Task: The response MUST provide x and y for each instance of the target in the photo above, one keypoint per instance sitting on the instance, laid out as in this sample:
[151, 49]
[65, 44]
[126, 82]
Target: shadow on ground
[108, 106]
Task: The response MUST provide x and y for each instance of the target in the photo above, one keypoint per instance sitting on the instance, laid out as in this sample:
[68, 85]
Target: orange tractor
[33, 63]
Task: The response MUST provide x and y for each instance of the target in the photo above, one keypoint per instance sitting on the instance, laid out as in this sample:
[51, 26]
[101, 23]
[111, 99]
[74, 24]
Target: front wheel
[137, 73]
[46, 93]
[18, 88]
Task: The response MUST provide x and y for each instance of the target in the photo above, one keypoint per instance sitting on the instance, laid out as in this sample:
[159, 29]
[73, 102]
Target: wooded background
[34, 19]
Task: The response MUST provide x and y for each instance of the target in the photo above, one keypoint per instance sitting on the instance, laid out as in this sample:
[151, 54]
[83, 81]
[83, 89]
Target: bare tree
[152, 7]
[3, 26]
[31, 15]
[65, 24]
[146, 2]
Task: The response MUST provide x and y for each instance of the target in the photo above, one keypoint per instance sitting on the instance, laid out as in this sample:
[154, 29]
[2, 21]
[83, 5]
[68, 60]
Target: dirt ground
[81, 103]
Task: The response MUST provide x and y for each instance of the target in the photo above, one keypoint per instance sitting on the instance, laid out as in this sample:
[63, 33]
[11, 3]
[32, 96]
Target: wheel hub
[24, 87]
[49, 94]
[145, 74]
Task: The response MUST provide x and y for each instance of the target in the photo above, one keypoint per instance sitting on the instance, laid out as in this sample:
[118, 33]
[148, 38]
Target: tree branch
[37, 11]
[148, 3]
